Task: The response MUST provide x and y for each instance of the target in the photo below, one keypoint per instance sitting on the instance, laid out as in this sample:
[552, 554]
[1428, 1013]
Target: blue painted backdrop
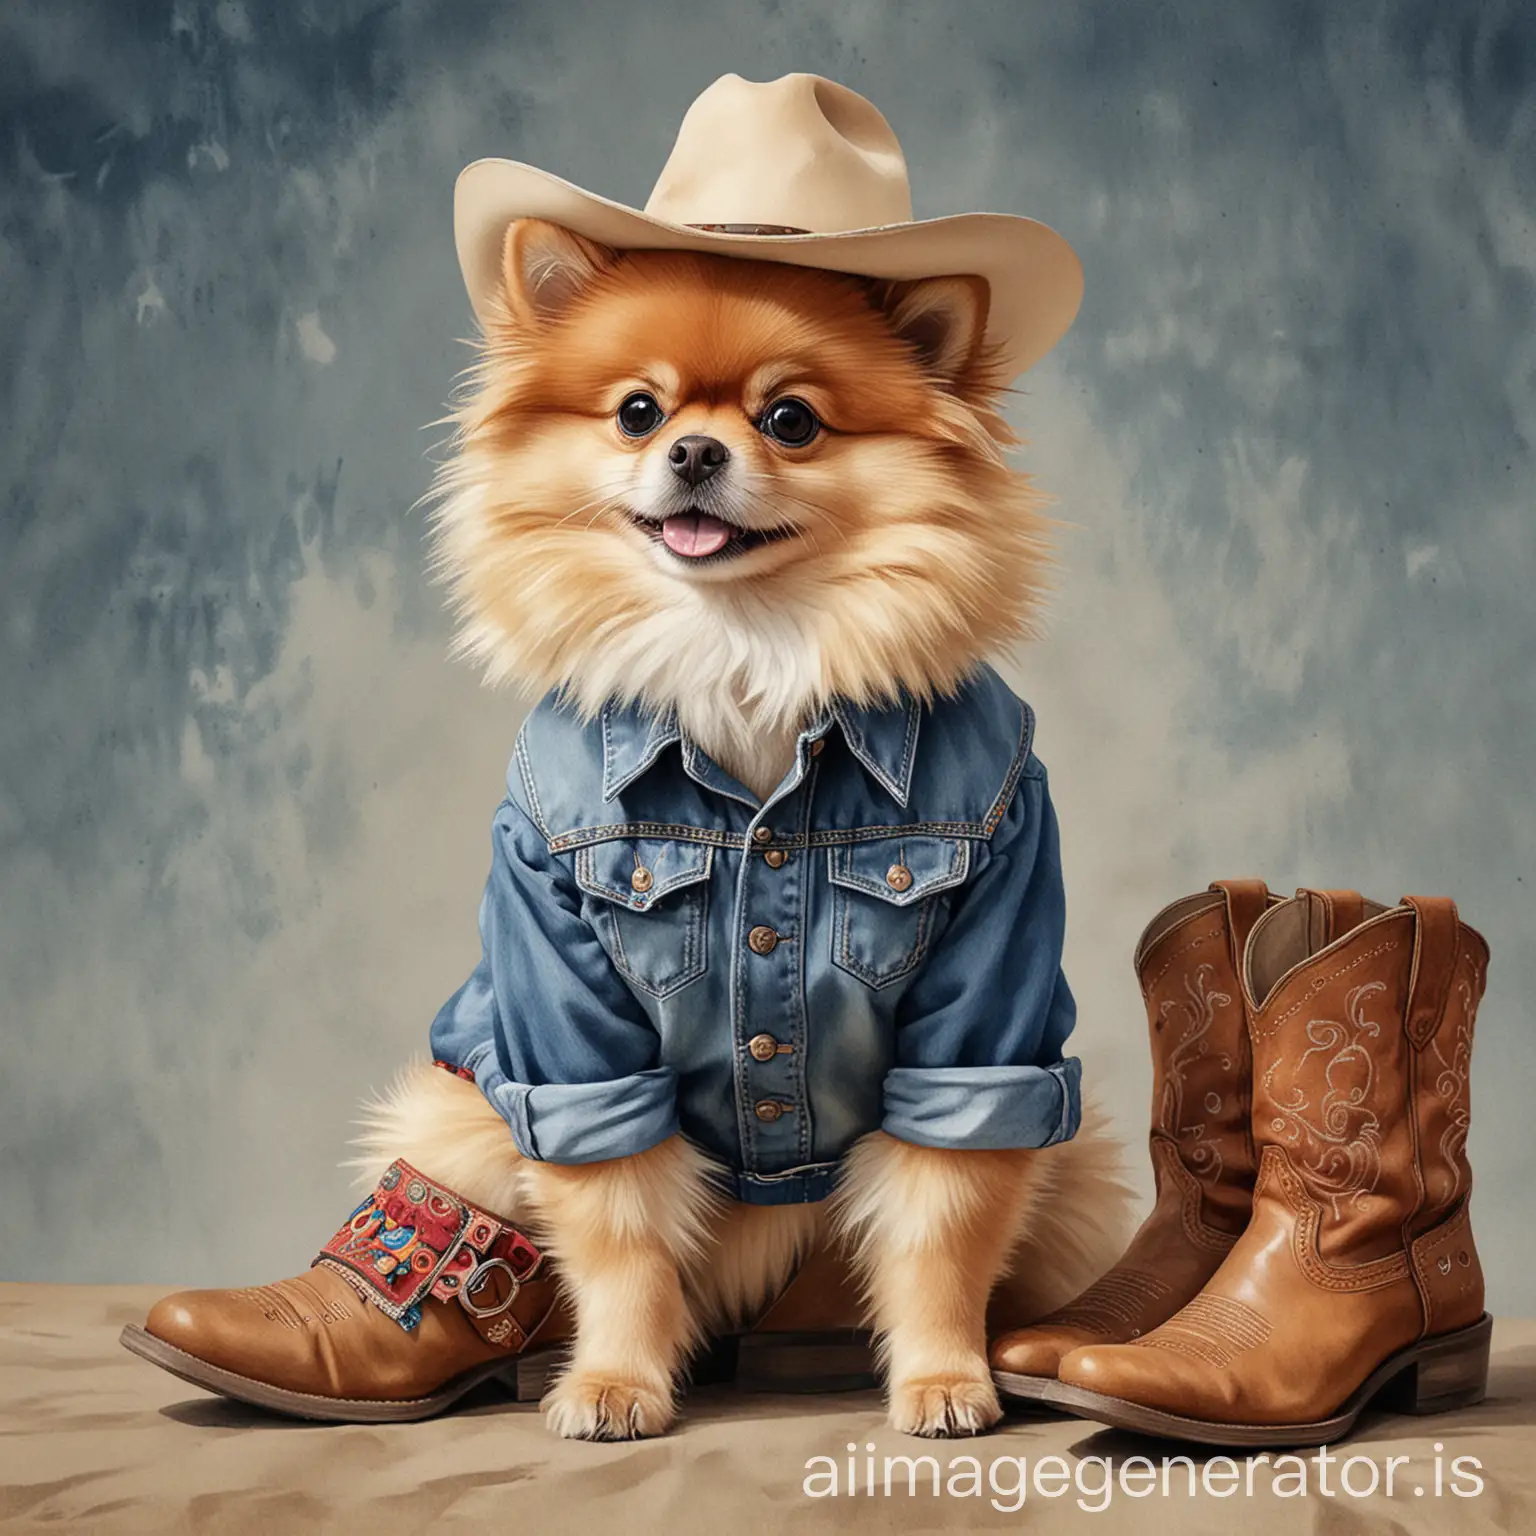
[243, 794]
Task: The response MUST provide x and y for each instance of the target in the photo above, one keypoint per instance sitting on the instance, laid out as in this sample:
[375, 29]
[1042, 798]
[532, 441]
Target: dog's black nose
[695, 458]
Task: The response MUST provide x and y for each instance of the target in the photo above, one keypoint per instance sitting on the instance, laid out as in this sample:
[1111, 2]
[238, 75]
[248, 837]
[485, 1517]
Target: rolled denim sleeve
[546, 1026]
[979, 1040]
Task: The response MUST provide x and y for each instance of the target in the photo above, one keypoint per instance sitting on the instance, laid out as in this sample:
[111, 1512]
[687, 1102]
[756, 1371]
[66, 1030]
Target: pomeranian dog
[739, 490]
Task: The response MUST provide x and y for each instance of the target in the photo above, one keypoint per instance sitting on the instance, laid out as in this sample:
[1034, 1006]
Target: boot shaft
[1362, 1019]
[1188, 965]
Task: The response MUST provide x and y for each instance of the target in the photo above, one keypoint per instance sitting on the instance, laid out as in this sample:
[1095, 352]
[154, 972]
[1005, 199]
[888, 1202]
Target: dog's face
[671, 455]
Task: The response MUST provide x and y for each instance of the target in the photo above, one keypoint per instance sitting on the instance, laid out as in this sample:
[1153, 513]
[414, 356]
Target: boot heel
[837, 1360]
[1449, 1372]
[527, 1378]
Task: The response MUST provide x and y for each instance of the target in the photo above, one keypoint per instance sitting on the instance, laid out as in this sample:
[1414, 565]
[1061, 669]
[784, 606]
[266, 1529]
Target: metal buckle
[476, 1277]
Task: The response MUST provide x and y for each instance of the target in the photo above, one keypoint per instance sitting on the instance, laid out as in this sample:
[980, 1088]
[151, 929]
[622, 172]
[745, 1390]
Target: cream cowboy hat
[798, 170]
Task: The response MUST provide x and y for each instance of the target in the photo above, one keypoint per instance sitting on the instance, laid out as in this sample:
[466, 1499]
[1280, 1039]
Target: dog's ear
[545, 267]
[943, 319]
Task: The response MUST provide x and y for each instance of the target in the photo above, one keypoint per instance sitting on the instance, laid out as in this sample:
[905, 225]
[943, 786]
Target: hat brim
[1035, 278]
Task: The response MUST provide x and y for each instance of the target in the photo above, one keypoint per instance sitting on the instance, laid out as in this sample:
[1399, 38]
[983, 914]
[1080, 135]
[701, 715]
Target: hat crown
[800, 152]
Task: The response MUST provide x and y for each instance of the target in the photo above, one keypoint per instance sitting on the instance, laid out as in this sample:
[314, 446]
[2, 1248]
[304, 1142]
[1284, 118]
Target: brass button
[642, 879]
[762, 834]
[763, 1047]
[899, 877]
[774, 858]
[817, 745]
[768, 1109]
[762, 940]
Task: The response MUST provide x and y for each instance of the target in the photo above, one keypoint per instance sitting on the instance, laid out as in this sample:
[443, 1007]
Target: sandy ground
[94, 1440]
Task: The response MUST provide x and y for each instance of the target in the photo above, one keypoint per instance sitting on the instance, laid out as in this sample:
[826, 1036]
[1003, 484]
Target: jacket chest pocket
[887, 902]
[647, 898]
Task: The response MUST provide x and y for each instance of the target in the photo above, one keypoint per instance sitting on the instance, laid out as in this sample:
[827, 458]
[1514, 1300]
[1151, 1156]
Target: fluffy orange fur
[917, 549]
[900, 549]
[651, 1262]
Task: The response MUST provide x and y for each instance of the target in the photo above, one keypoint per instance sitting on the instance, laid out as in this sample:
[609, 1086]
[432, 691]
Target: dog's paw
[939, 1407]
[592, 1405]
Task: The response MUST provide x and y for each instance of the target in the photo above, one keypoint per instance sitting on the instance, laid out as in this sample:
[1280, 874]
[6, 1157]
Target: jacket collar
[884, 740]
[632, 741]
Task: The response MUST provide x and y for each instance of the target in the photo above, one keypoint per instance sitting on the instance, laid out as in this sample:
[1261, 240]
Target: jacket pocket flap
[637, 872]
[900, 870]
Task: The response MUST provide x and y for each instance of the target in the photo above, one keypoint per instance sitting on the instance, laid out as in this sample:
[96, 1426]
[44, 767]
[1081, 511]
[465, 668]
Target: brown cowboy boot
[370, 1334]
[1202, 1157]
[416, 1300]
[813, 1337]
[1357, 1273]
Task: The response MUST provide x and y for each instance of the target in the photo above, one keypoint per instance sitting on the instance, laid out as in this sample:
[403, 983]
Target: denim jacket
[878, 944]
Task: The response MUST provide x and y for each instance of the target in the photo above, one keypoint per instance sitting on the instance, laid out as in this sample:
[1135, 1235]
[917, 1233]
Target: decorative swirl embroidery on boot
[1214, 1329]
[1339, 1144]
[1202, 1157]
[1452, 1086]
[1111, 1305]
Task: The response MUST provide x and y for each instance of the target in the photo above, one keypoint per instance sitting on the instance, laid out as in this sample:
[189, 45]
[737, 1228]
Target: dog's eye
[640, 415]
[789, 421]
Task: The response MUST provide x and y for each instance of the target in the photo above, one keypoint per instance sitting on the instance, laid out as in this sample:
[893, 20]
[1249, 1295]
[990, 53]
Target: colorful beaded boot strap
[411, 1239]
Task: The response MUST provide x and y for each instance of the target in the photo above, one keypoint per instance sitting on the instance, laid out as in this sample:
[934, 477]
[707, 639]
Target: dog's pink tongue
[694, 534]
